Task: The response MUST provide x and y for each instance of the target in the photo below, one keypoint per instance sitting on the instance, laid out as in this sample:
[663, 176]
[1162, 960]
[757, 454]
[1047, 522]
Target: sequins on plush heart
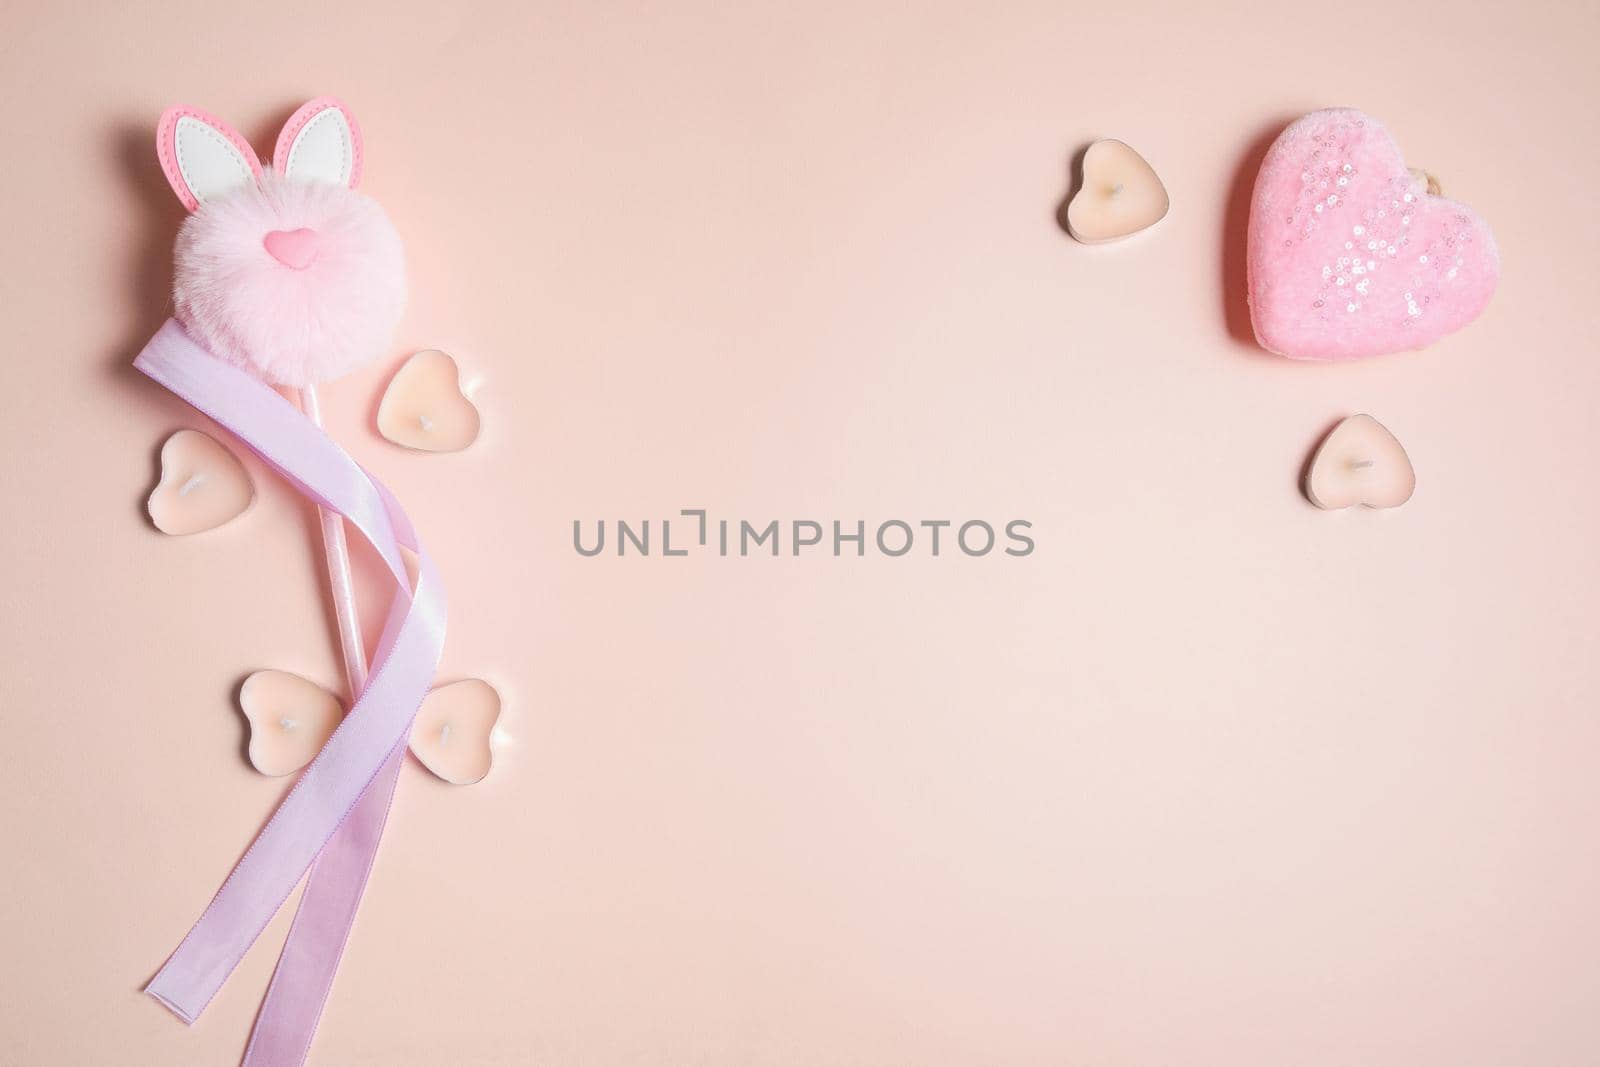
[1349, 254]
[1378, 241]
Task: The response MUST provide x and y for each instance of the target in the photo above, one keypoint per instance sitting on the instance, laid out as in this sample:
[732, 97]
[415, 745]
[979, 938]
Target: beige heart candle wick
[426, 407]
[202, 485]
[1120, 195]
[290, 718]
[454, 731]
[1359, 462]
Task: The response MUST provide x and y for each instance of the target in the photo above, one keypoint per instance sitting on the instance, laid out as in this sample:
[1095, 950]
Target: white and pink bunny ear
[320, 143]
[203, 157]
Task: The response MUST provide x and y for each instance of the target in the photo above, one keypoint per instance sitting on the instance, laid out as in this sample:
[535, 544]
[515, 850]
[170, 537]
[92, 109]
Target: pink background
[1212, 778]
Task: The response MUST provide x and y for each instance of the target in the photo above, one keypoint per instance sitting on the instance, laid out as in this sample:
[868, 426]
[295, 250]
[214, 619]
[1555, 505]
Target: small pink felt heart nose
[295, 249]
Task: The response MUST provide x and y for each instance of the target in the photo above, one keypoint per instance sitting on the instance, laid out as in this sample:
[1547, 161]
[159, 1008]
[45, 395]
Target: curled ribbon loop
[330, 822]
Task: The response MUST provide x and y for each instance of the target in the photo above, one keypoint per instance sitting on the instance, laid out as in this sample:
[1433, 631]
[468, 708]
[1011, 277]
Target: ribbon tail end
[171, 1005]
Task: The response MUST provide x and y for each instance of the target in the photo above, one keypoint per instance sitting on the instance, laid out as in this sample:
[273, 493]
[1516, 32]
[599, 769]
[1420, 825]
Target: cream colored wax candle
[452, 730]
[202, 485]
[424, 408]
[1360, 462]
[1120, 195]
[290, 719]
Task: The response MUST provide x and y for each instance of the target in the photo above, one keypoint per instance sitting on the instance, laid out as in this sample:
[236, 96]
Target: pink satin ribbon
[332, 819]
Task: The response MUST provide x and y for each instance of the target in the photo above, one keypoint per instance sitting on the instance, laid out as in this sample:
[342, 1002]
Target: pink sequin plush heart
[1349, 255]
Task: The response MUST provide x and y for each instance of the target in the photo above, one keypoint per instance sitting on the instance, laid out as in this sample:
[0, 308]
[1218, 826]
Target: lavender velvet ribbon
[332, 819]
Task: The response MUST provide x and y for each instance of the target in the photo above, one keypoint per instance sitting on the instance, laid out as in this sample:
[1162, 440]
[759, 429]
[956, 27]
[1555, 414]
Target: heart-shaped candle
[452, 729]
[290, 720]
[202, 485]
[1360, 462]
[1349, 254]
[1120, 195]
[424, 408]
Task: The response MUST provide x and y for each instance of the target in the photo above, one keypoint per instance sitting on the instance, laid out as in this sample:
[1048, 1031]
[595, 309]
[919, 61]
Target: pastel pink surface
[1348, 254]
[1213, 779]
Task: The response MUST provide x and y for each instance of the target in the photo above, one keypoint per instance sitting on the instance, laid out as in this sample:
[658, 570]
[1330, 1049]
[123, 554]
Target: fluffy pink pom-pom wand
[292, 275]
